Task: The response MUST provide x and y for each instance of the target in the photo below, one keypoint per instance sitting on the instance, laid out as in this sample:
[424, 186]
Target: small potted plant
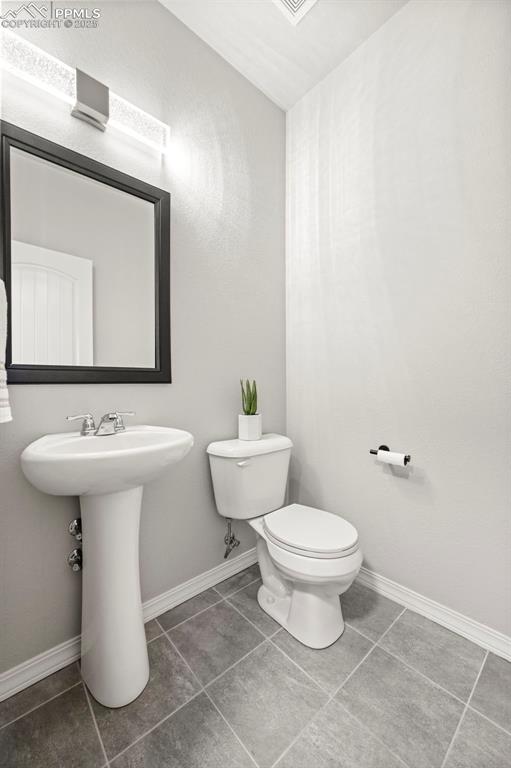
[249, 422]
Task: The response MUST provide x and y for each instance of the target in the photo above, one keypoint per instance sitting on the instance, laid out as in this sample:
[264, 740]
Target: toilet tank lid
[237, 449]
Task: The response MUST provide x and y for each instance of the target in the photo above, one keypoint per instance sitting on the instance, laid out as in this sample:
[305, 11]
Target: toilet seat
[300, 591]
[310, 532]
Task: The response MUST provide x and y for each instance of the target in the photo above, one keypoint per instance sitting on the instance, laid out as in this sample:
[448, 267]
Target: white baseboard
[489, 638]
[33, 670]
[164, 602]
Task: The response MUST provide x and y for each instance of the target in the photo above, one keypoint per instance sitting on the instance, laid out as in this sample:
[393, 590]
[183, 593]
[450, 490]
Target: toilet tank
[249, 476]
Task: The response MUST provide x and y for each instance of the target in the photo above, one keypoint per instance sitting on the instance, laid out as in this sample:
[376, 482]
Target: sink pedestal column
[115, 664]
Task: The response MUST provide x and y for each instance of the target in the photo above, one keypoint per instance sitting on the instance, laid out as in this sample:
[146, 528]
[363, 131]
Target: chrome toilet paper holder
[374, 452]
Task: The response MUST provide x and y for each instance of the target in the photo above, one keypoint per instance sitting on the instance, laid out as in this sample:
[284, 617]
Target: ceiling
[282, 59]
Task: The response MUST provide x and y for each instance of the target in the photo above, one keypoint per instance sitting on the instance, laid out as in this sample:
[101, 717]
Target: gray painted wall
[398, 269]
[226, 176]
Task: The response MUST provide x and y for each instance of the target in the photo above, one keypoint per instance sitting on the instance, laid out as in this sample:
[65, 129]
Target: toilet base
[312, 614]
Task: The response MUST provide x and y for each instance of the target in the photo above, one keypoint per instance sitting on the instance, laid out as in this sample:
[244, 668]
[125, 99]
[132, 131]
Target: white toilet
[308, 557]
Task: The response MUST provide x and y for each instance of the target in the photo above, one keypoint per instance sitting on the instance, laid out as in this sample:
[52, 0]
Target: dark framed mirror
[86, 264]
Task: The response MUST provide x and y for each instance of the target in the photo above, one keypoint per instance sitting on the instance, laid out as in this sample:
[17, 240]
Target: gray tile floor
[230, 689]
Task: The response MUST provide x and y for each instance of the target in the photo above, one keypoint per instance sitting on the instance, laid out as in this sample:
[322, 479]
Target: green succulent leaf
[248, 397]
[243, 398]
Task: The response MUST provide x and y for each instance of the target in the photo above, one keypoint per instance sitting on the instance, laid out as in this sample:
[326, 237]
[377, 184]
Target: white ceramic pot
[250, 427]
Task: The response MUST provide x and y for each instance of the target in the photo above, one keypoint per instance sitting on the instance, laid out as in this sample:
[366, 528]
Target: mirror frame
[12, 136]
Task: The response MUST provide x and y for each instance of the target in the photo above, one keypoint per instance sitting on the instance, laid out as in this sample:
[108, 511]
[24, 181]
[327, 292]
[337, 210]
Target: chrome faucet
[88, 426]
[112, 422]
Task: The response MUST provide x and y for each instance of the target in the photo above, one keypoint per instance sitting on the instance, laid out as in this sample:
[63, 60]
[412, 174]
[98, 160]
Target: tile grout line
[206, 693]
[266, 637]
[316, 714]
[91, 710]
[488, 719]
[390, 627]
[154, 638]
[462, 716]
[324, 706]
[421, 674]
[38, 706]
[375, 643]
[180, 623]
[371, 649]
[163, 632]
[146, 733]
[371, 733]
[331, 698]
[153, 728]
[166, 633]
[238, 610]
[410, 666]
[307, 674]
[300, 732]
[240, 589]
[337, 690]
[176, 649]
[414, 669]
[358, 631]
[201, 686]
[226, 599]
[270, 641]
[221, 598]
[280, 650]
[245, 749]
[263, 640]
[466, 704]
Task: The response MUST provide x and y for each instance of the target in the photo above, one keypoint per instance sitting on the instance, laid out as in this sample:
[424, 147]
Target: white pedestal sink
[108, 473]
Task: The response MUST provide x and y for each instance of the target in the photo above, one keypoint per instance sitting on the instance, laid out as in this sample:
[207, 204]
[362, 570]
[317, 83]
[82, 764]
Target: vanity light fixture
[90, 100]
[35, 66]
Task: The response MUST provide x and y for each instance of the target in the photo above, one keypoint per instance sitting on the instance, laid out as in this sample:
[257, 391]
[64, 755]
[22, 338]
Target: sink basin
[69, 464]
[108, 473]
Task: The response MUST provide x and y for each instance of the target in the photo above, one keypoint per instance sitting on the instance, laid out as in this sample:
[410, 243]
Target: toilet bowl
[308, 557]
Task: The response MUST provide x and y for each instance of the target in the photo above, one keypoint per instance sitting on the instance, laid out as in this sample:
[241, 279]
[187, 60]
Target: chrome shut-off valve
[74, 560]
[75, 528]
[230, 540]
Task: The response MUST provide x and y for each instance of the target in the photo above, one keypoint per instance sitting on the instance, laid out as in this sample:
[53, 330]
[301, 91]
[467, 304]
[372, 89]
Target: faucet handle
[119, 423]
[88, 426]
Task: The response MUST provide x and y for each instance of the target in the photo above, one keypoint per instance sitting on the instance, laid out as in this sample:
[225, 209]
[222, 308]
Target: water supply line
[230, 540]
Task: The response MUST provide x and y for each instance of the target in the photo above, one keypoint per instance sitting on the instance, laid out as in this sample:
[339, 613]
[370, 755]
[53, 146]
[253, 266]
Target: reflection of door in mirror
[52, 306]
[75, 223]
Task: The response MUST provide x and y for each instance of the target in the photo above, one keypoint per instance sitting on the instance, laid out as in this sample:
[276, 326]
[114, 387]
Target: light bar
[35, 66]
[129, 119]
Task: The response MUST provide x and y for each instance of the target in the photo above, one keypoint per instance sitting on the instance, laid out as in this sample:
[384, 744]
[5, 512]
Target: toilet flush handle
[243, 463]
